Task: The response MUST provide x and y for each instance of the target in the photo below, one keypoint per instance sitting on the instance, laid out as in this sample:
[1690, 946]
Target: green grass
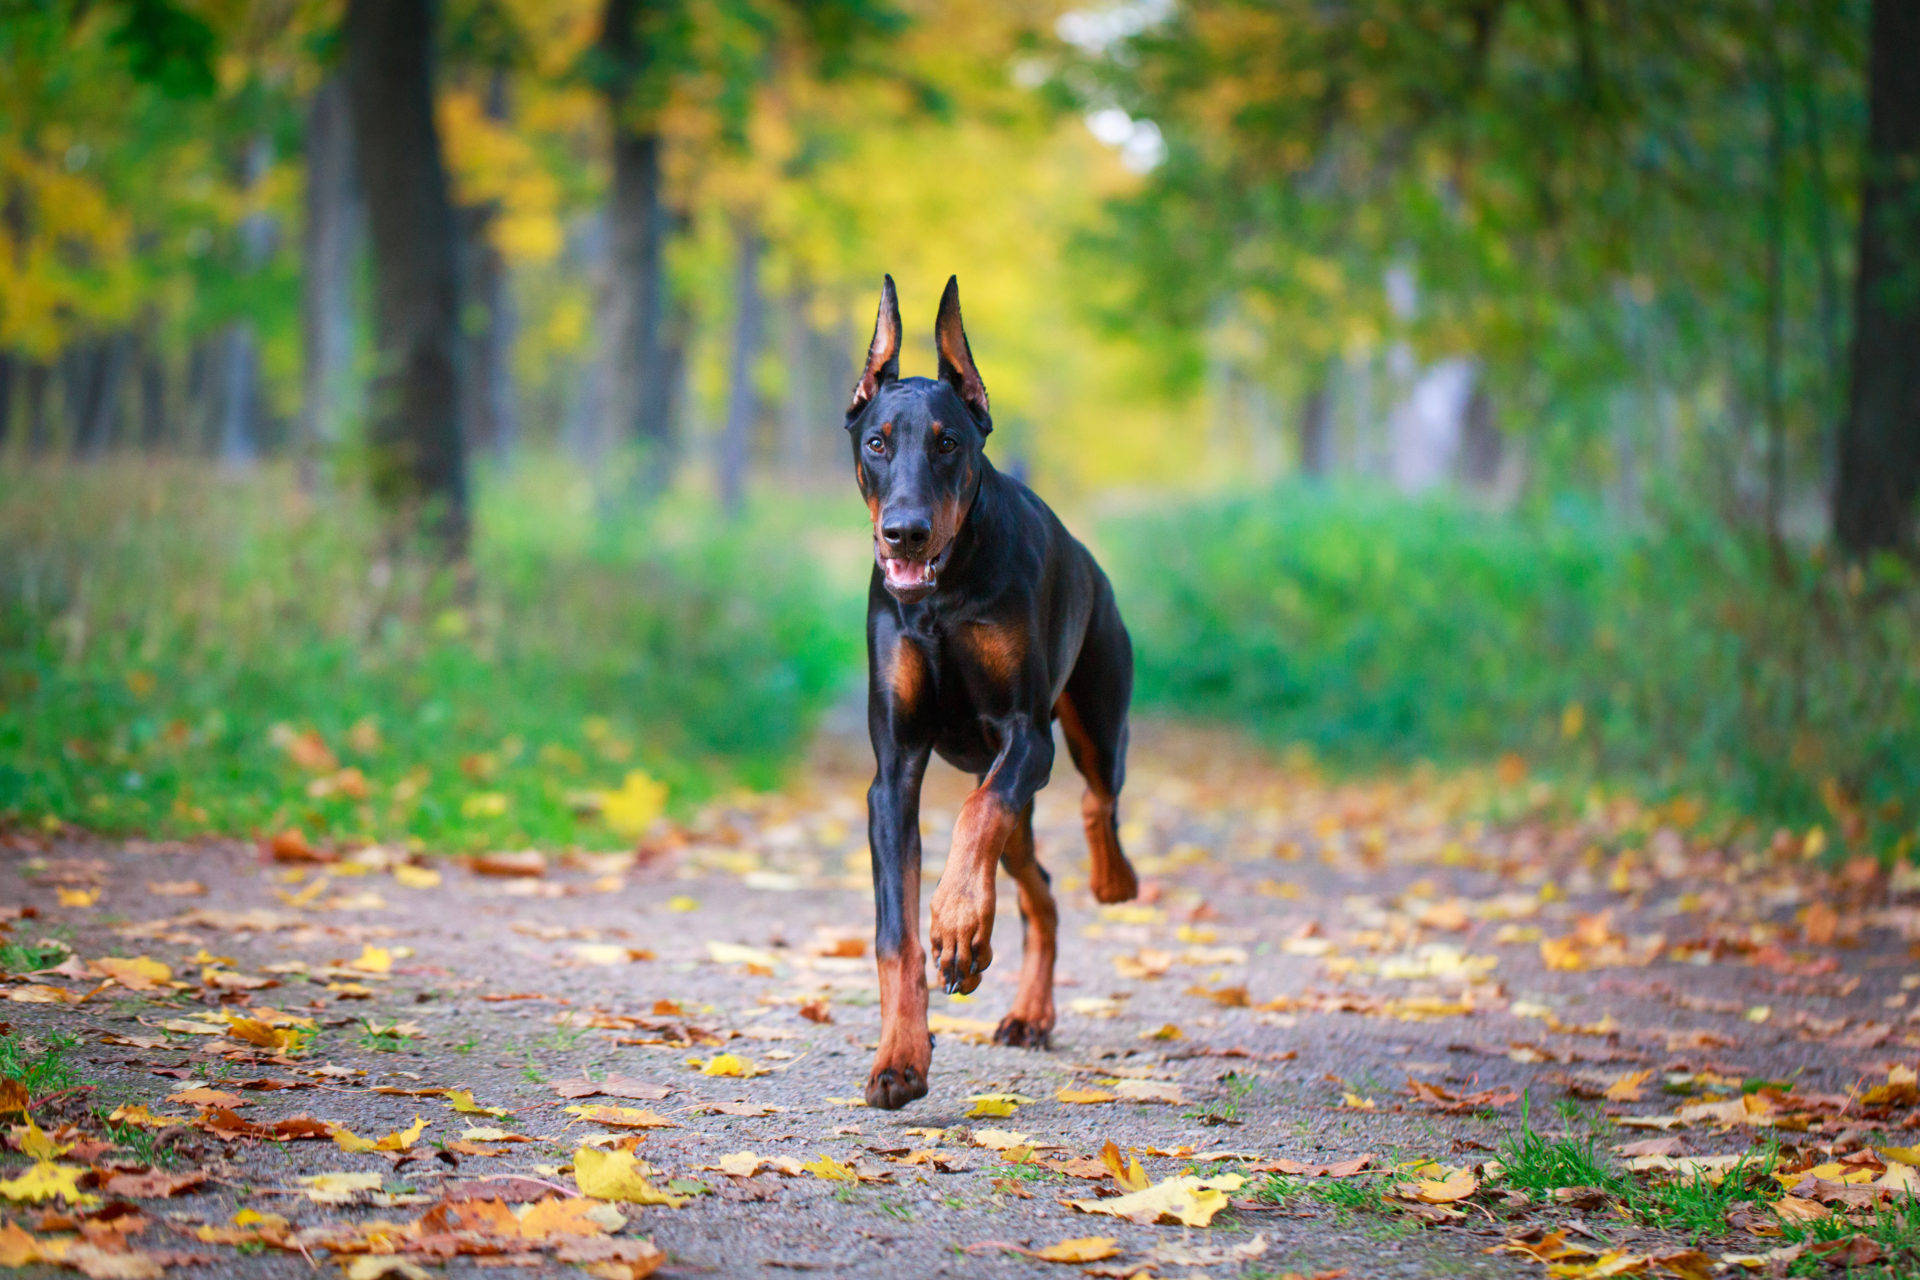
[1695, 1205]
[1345, 1196]
[42, 1070]
[28, 957]
[1677, 661]
[184, 652]
[1895, 1228]
[1532, 1161]
[1698, 1206]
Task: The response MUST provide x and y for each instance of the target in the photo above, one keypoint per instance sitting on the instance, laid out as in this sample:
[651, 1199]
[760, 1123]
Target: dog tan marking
[1109, 875]
[1030, 1021]
[962, 930]
[998, 649]
[900, 1065]
[906, 675]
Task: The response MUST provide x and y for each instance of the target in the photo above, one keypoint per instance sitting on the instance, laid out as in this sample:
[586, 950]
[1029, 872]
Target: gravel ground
[1303, 950]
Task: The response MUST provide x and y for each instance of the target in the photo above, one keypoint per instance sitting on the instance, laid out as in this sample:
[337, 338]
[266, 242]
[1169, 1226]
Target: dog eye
[876, 445]
[947, 444]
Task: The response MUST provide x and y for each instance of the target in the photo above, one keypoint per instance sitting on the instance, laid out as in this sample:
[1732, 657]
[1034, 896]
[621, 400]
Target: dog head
[918, 446]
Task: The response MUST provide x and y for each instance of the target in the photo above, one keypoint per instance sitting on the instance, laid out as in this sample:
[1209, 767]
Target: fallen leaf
[1189, 1201]
[616, 1175]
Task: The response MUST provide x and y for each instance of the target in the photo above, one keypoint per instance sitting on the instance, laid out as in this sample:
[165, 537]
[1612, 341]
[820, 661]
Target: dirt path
[1345, 976]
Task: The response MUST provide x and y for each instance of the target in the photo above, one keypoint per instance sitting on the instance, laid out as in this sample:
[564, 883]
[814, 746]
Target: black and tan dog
[986, 621]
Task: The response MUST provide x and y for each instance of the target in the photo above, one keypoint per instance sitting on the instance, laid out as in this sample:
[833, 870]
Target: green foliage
[1698, 1205]
[1345, 1196]
[29, 957]
[43, 1070]
[1531, 1161]
[1370, 628]
[181, 653]
[1894, 1227]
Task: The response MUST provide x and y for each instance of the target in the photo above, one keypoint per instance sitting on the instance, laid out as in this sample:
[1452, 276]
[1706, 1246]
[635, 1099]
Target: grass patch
[1697, 1206]
[1531, 1161]
[183, 652]
[1678, 662]
[42, 1070]
[1345, 1196]
[1894, 1228]
[29, 957]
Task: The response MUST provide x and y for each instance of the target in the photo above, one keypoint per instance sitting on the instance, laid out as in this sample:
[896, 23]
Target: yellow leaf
[832, 1170]
[46, 1180]
[37, 1144]
[1084, 1097]
[999, 1139]
[77, 897]
[1126, 1171]
[616, 1175]
[372, 959]
[1627, 1087]
[413, 877]
[992, 1107]
[399, 1140]
[730, 1064]
[1189, 1201]
[622, 1117]
[337, 1188]
[278, 1039]
[1080, 1249]
[632, 808]
[1457, 1185]
[461, 1100]
[141, 973]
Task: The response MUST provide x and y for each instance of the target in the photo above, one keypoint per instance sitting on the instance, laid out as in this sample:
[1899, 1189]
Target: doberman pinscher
[986, 621]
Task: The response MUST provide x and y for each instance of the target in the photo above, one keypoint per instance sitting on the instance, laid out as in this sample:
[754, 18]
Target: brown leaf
[154, 1183]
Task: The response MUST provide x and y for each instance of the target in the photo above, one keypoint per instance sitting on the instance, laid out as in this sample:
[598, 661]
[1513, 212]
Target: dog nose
[906, 532]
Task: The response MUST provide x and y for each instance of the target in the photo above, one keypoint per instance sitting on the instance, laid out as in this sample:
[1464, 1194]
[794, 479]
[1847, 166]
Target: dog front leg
[893, 832]
[963, 903]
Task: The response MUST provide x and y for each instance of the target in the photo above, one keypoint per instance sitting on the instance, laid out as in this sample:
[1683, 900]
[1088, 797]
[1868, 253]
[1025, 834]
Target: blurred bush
[1683, 663]
[181, 651]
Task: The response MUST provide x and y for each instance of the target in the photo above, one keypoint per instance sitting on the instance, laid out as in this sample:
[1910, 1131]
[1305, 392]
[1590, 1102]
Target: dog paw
[960, 938]
[892, 1087]
[1021, 1033]
[1114, 882]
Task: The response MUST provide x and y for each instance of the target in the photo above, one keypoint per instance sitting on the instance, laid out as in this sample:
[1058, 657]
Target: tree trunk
[1316, 429]
[93, 394]
[418, 466]
[239, 393]
[7, 366]
[153, 393]
[330, 244]
[802, 418]
[748, 308]
[1879, 449]
[489, 398]
[33, 390]
[635, 399]
[1481, 445]
[1773, 344]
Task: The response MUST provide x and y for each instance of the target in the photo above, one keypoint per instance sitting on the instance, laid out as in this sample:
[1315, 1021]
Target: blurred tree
[418, 467]
[1589, 200]
[333, 229]
[1879, 454]
[640, 51]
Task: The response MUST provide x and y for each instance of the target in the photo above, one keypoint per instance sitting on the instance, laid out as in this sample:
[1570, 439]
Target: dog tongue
[906, 573]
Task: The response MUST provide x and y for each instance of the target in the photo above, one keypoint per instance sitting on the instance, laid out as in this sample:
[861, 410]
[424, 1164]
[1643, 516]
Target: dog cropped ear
[956, 357]
[883, 354]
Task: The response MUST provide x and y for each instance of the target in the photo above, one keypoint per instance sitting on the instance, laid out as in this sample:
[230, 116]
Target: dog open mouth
[911, 577]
